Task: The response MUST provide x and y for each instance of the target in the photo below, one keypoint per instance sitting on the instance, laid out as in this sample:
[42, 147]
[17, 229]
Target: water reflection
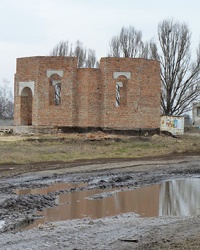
[180, 197]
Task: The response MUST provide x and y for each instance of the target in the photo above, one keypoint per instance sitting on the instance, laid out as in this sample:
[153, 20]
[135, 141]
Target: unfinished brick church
[123, 93]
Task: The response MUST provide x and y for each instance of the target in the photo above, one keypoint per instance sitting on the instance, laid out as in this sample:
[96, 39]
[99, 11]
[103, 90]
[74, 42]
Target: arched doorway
[26, 106]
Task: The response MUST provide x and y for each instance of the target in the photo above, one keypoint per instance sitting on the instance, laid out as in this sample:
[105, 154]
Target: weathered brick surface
[88, 96]
[142, 109]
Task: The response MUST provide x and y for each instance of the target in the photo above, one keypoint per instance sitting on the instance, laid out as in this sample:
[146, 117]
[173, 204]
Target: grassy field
[26, 150]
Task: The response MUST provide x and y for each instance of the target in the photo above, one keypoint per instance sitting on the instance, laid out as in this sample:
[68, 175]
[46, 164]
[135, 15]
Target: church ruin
[123, 93]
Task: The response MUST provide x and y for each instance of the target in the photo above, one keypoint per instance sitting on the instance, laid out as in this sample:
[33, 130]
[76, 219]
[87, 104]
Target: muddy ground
[124, 231]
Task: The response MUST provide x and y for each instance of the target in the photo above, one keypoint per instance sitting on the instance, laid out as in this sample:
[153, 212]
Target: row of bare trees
[180, 75]
[86, 57]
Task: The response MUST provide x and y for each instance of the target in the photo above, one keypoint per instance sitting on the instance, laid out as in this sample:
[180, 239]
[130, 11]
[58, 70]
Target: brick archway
[26, 106]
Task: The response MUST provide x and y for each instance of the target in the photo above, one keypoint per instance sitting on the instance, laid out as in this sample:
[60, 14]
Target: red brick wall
[88, 96]
[35, 69]
[61, 115]
[141, 107]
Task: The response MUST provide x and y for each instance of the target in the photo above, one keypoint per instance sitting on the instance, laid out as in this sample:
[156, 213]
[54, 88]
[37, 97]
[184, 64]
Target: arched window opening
[118, 86]
[55, 90]
[121, 91]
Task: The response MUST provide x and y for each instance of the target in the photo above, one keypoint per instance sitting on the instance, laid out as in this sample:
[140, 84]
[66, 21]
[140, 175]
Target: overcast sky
[34, 27]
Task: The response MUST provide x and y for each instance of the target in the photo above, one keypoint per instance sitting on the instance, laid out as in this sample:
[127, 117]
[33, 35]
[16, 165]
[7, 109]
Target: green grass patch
[34, 151]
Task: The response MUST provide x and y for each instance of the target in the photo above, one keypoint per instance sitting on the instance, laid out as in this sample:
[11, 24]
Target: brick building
[123, 93]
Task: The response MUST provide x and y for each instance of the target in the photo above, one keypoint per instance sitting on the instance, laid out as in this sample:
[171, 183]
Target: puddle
[79, 205]
[171, 198]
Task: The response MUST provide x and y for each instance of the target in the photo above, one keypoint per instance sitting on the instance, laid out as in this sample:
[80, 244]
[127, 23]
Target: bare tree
[6, 101]
[115, 50]
[180, 75]
[91, 61]
[146, 50]
[85, 58]
[61, 49]
[127, 44]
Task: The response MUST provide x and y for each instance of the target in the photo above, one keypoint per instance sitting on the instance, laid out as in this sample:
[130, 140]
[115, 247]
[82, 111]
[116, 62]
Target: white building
[196, 114]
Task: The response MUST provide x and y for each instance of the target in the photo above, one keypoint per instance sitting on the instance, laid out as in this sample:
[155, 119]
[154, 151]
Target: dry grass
[47, 149]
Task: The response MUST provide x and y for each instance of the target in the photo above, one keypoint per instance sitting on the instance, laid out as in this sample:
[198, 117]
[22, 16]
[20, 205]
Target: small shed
[172, 124]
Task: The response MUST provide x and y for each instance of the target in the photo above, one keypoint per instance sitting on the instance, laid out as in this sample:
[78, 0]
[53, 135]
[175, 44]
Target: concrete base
[54, 130]
[135, 131]
[34, 130]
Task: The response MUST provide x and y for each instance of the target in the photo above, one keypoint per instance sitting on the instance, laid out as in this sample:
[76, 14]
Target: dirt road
[122, 231]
